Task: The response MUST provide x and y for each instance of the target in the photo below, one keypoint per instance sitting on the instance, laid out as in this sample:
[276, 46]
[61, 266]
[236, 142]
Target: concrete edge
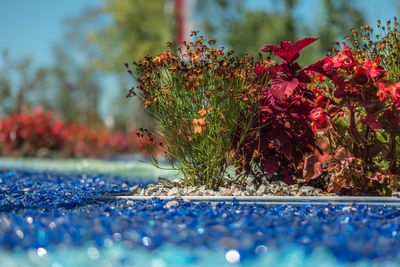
[268, 200]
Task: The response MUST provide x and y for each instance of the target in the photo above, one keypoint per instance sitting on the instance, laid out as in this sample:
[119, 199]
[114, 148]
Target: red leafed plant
[39, 134]
[357, 113]
[276, 146]
[30, 134]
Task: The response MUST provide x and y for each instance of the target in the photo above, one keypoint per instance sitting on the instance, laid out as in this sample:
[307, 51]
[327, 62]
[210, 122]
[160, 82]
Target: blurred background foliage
[97, 43]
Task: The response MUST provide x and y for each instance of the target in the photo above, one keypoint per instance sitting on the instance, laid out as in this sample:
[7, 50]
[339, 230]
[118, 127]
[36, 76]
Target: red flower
[344, 59]
[391, 91]
[318, 118]
[373, 69]
[288, 51]
[395, 94]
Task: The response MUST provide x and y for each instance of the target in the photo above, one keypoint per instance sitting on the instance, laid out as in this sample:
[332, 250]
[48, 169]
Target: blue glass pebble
[48, 210]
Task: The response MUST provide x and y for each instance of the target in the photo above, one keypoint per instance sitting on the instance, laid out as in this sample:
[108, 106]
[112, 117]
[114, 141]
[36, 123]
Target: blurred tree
[6, 98]
[20, 83]
[128, 30]
[214, 17]
[76, 89]
[247, 30]
[340, 16]
[255, 30]
[133, 29]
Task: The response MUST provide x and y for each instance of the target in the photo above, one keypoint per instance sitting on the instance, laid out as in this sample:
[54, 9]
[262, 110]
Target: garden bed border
[270, 200]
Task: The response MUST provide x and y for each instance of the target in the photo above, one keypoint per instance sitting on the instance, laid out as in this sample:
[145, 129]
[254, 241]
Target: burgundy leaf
[282, 89]
[288, 51]
[287, 151]
[271, 165]
[371, 121]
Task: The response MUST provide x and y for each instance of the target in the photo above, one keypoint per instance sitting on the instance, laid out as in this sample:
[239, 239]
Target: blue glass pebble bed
[54, 219]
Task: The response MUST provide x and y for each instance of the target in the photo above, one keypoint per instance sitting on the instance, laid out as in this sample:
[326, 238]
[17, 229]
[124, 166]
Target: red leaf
[371, 121]
[288, 51]
[282, 89]
[271, 165]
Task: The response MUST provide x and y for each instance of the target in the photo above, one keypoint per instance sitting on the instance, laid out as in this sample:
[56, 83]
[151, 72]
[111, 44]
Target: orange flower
[204, 110]
[199, 125]
[163, 58]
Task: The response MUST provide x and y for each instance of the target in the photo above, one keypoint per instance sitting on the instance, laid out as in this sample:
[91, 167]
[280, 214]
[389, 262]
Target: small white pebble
[19, 233]
[232, 256]
[41, 252]
[171, 203]
[146, 241]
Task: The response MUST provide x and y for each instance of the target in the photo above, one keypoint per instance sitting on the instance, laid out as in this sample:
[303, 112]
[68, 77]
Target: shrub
[357, 113]
[39, 134]
[30, 134]
[199, 98]
[281, 136]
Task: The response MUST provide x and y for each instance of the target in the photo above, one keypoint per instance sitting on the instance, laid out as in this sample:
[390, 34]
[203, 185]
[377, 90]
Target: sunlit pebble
[232, 256]
[146, 241]
[124, 185]
[52, 225]
[41, 252]
[129, 202]
[200, 230]
[19, 233]
[394, 233]
[348, 209]
[93, 253]
[261, 249]
[29, 220]
[346, 220]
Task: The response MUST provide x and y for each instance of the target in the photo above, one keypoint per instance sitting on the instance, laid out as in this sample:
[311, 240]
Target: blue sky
[31, 27]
